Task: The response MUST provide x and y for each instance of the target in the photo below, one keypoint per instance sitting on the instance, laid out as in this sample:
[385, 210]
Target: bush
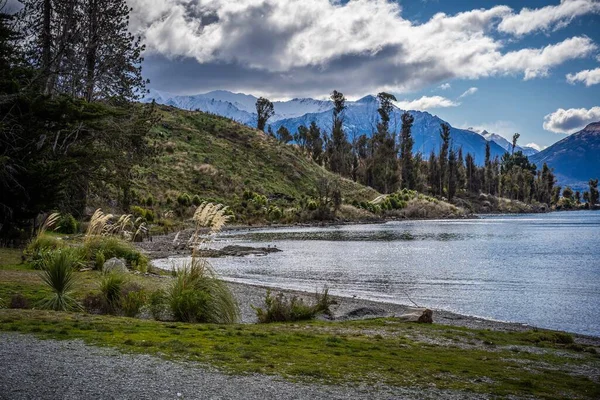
[110, 247]
[144, 213]
[39, 246]
[17, 300]
[197, 295]
[150, 201]
[196, 200]
[58, 273]
[95, 303]
[280, 308]
[133, 298]
[111, 289]
[157, 304]
[67, 224]
[184, 200]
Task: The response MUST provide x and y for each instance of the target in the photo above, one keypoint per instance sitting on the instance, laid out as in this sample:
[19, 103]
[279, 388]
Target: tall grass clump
[102, 248]
[197, 294]
[58, 273]
[111, 288]
[42, 243]
[280, 308]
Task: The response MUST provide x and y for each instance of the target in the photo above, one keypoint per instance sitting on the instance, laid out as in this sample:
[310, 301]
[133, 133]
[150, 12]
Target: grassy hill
[218, 159]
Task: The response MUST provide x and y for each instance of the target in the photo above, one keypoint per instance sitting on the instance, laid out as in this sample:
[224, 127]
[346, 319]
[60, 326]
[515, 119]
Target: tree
[264, 110]
[593, 183]
[452, 174]
[284, 135]
[489, 174]
[83, 48]
[443, 159]
[406, 147]
[339, 149]
[578, 197]
[515, 137]
[301, 137]
[384, 166]
[315, 142]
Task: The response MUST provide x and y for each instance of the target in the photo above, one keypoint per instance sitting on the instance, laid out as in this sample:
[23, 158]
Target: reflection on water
[540, 269]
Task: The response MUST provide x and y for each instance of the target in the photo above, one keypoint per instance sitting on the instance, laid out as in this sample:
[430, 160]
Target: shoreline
[249, 295]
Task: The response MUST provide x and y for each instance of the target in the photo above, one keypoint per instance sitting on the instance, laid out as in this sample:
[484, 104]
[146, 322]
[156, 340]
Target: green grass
[217, 159]
[382, 350]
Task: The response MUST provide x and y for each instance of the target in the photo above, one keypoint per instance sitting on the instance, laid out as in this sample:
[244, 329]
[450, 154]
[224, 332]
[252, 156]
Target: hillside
[360, 117]
[218, 159]
[575, 159]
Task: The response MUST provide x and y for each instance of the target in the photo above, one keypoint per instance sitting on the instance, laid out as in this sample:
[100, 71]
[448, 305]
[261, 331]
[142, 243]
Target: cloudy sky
[527, 66]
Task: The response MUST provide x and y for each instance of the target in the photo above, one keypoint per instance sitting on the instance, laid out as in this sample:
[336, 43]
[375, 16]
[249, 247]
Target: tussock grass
[197, 295]
[102, 248]
[280, 308]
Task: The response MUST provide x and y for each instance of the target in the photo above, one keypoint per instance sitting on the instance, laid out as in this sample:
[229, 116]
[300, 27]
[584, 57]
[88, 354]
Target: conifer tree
[443, 158]
[406, 147]
[340, 157]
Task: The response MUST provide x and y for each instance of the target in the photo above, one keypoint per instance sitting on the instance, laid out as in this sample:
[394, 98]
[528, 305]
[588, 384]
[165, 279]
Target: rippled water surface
[539, 269]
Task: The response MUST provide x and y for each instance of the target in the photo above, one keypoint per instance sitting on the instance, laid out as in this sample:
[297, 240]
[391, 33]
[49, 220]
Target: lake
[540, 269]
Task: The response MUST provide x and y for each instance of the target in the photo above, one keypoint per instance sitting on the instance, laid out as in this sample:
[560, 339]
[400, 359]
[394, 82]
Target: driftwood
[424, 316]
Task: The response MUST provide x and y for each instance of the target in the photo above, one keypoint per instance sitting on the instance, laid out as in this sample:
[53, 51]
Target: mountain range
[575, 159]
[360, 117]
[506, 145]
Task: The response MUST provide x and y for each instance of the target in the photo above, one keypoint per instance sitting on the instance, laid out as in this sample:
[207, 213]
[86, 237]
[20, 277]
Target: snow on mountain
[506, 145]
[360, 117]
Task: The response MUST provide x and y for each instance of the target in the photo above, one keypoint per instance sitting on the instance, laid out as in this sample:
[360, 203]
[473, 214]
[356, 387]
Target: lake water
[541, 269]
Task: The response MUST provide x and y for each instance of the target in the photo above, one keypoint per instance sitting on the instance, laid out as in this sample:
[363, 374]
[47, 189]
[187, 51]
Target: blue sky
[510, 104]
[527, 66]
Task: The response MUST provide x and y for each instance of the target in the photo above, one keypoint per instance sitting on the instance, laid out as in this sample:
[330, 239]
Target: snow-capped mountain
[506, 145]
[360, 117]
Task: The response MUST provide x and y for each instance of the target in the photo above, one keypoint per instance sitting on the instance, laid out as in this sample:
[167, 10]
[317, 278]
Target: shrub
[17, 300]
[110, 247]
[39, 247]
[197, 295]
[280, 308]
[67, 224]
[157, 304]
[275, 213]
[150, 201]
[133, 298]
[95, 303]
[58, 273]
[196, 200]
[184, 200]
[111, 289]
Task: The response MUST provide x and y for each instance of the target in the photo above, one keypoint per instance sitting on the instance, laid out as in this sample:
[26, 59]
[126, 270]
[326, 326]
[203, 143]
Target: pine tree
[340, 150]
[452, 174]
[384, 166]
[406, 147]
[443, 159]
[593, 191]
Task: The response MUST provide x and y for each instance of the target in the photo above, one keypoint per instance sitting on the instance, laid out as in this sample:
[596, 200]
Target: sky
[507, 66]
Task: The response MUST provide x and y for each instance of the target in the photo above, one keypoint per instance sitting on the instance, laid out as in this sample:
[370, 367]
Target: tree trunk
[47, 46]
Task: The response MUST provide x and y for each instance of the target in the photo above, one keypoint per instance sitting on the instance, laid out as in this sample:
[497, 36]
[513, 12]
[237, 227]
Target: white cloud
[589, 77]
[571, 120]
[445, 86]
[469, 92]
[426, 103]
[535, 146]
[368, 42]
[547, 18]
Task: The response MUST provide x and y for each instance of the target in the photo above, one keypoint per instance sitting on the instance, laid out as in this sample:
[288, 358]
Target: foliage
[58, 274]
[102, 248]
[197, 295]
[280, 308]
[18, 301]
[133, 298]
[39, 246]
[157, 304]
[264, 111]
[111, 289]
[67, 224]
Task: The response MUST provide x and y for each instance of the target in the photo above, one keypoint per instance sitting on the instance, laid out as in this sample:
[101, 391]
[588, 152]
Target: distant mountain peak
[594, 127]
[367, 99]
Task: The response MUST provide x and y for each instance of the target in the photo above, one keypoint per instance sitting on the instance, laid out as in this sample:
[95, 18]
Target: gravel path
[48, 369]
